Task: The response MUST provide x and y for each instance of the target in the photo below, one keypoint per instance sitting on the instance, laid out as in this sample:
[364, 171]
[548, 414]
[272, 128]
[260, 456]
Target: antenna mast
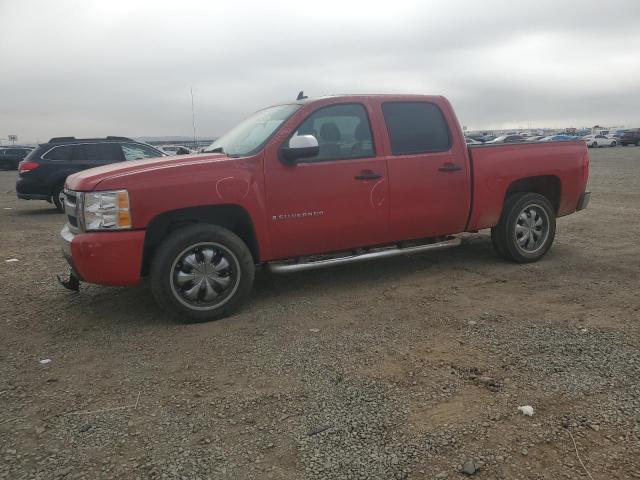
[193, 120]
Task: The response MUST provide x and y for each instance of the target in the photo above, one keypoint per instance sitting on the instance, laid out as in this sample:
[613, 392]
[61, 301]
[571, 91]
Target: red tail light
[27, 166]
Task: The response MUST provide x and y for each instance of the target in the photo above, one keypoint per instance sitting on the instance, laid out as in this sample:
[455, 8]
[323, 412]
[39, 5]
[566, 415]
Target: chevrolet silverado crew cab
[312, 183]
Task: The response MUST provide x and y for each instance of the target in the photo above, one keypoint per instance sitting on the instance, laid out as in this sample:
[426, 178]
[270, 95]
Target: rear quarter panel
[495, 168]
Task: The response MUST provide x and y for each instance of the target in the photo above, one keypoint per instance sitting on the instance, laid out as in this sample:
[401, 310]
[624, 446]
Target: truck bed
[495, 166]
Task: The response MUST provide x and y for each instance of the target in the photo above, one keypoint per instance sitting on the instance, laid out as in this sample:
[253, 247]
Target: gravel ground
[409, 368]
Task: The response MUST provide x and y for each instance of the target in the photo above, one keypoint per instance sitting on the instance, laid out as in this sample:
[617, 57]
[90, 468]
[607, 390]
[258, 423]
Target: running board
[284, 267]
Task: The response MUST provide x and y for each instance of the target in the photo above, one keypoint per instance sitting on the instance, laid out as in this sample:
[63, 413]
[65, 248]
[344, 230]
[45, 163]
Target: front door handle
[449, 167]
[368, 175]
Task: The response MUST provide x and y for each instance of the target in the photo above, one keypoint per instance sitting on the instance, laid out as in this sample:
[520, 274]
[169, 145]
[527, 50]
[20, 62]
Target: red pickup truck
[312, 183]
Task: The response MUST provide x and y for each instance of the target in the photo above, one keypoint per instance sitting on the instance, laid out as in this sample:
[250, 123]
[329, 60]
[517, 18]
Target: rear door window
[416, 127]
[63, 153]
[102, 152]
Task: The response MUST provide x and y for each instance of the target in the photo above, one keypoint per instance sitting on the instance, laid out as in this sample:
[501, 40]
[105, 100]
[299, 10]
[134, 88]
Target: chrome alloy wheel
[205, 276]
[532, 228]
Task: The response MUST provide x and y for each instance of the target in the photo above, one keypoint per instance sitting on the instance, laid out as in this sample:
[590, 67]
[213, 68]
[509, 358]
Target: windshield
[250, 135]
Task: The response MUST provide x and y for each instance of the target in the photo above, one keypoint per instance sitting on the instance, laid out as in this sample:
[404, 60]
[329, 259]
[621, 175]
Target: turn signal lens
[123, 200]
[124, 220]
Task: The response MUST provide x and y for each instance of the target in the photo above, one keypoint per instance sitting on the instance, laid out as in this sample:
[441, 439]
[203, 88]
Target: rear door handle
[368, 175]
[449, 167]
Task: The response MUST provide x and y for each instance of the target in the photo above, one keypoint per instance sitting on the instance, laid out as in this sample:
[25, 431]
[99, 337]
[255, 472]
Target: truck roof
[354, 96]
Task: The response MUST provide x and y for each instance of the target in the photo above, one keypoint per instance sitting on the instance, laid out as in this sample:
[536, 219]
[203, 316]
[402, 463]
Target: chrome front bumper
[584, 201]
[73, 282]
[66, 237]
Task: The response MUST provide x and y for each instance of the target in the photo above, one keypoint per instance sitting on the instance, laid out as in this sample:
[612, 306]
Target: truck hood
[88, 180]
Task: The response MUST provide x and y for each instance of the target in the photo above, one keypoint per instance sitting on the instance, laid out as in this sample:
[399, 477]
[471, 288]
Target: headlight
[106, 210]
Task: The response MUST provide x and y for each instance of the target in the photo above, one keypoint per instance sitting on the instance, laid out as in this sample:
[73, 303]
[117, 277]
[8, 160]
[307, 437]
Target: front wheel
[613, 144]
[202, 272]
[58, 198]
[594, 144]
[526, 229]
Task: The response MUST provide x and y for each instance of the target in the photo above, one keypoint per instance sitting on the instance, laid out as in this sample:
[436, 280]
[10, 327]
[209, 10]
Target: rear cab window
[61, 153]
[416, 127]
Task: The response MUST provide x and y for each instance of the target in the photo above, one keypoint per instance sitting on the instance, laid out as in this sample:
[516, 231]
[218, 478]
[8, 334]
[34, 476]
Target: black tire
[198, 240]
[613, 144]
[55, 198]
[594, 144]
[506, 237]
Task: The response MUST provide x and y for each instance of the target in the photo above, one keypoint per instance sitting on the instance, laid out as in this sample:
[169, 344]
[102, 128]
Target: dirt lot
[409, 368]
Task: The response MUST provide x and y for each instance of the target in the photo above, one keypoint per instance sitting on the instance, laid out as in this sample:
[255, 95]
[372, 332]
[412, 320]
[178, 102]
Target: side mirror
[300, 146]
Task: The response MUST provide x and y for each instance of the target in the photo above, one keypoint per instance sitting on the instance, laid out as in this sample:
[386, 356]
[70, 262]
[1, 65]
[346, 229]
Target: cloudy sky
[125, 67]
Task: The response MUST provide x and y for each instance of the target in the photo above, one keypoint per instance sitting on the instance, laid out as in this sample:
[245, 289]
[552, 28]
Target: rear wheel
[613, 144]
[202, 272]
[526, 229]
[57, 197]
[594, 144]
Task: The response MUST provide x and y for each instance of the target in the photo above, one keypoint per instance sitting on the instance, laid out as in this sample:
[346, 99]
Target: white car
[471, 141]
[595, 141]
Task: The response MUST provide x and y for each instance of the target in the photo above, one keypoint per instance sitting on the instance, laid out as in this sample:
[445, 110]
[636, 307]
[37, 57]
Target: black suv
[43, 172]
[11, 156]
[631, 137]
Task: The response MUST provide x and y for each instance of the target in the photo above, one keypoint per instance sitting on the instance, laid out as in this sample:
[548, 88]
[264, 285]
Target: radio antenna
[193, 120]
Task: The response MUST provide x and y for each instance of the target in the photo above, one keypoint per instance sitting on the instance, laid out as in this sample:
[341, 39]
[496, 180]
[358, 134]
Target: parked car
[535, 138]
[558, 138]
[176, 150]
[308, 184]
[595, 141]
[11, 156]
[471, 141]
[507, 139]
[631, 137]
[41, 175]
[616, 134]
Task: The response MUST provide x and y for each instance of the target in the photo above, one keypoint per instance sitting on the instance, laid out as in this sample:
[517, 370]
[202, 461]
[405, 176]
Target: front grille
[71, 208]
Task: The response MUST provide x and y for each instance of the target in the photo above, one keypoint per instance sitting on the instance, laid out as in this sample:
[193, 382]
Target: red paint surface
[320, 207]
[113, 258]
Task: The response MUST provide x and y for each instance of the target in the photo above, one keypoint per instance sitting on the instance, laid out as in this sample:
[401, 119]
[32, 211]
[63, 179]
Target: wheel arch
[230, 216]
[59, 178]
[549, 186]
